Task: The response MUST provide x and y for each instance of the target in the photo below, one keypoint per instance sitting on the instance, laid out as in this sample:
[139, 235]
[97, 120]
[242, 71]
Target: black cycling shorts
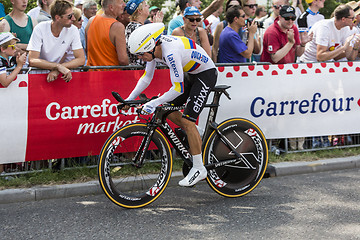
[197, 88]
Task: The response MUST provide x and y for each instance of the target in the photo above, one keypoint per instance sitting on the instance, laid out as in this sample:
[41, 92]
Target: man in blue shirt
[231, 48]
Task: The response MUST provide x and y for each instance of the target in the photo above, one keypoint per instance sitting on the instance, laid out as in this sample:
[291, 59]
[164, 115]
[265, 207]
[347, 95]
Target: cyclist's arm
[173, 60]
[144, 81]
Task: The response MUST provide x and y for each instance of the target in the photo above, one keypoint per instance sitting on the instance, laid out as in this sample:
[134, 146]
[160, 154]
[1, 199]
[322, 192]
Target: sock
[197, 161]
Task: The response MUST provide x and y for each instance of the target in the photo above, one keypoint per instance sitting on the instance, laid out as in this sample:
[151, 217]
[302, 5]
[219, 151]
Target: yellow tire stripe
[101, 158]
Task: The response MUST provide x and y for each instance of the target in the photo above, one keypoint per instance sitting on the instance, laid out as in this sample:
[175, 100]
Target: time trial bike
[136, 161]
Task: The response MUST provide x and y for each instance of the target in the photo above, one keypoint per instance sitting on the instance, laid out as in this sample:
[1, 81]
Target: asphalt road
[323, 205]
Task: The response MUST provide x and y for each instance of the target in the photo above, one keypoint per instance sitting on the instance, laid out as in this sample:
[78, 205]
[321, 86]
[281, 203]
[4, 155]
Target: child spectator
[17, 21]
[9, 58]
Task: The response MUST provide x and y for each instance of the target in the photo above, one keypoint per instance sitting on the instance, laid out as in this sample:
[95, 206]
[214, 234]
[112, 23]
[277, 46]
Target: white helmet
[144, 38]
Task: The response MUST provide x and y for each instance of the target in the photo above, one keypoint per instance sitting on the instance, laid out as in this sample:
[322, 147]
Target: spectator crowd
[61, 35]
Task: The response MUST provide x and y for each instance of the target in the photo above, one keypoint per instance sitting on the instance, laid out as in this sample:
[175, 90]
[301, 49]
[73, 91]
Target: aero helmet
[144, 38]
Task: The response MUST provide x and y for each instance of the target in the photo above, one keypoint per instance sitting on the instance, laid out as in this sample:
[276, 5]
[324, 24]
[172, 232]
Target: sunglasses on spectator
[194, 19]
[79, 19]
[277, 6]
[290, 18]
[251, 5]
[242, 16]
[352, 18]
[12, 46]
[70, 15]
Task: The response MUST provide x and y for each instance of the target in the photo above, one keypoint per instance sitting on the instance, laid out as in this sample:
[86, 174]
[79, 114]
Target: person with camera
[231, 47]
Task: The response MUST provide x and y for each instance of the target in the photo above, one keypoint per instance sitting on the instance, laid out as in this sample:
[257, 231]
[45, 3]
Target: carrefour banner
[294, 100]
[41, 120]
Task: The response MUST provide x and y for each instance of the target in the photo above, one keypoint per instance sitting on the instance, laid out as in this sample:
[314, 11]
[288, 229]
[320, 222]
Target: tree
[8, 5]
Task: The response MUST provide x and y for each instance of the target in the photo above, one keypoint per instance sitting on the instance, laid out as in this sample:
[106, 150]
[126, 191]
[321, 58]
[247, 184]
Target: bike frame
[159, 121]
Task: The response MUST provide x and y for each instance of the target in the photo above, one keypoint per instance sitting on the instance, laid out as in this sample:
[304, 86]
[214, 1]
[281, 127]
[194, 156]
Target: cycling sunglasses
[194, 19]
[12, 46]
[251, 5]
[290, 18]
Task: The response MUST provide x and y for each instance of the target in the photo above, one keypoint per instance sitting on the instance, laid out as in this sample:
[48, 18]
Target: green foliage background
[330, 5]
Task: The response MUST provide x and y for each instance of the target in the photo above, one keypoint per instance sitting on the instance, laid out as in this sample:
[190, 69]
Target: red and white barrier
[294, 100]
[41, 120]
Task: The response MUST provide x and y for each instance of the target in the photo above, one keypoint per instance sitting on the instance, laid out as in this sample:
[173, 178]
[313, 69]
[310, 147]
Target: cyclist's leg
[198, 172]
[201, 86]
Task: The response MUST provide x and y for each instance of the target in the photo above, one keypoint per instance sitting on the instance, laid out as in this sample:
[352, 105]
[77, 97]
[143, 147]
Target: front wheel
[129, 183]
[242, 176]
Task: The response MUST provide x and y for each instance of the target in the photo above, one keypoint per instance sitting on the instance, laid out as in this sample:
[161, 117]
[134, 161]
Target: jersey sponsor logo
[168, 38]
[192, 179]
[201, 99]
[199, 56]
[173, 65]
[260, 107]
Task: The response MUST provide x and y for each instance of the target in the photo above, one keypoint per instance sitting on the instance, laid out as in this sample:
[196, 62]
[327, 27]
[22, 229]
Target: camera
[259, 24]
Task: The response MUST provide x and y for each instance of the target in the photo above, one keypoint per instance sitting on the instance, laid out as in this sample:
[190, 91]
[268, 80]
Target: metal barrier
[278, 146]
[311, 144]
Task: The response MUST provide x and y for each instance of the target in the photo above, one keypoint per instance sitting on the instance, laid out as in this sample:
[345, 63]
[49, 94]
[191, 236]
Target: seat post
[213, 108]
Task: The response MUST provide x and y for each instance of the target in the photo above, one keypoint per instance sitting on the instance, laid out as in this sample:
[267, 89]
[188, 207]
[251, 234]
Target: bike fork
[138, 160]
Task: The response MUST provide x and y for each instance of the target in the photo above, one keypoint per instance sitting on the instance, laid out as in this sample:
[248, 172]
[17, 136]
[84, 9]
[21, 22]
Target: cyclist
[181, 55]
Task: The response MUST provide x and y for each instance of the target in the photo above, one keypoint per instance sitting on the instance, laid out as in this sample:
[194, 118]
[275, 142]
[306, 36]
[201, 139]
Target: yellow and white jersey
[181, 55]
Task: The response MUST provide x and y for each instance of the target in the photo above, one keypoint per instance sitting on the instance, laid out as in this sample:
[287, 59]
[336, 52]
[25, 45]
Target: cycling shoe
[195, 175]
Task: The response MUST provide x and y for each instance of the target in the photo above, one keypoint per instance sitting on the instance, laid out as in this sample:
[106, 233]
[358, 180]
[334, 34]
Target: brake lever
[120, 107]
[138, 111]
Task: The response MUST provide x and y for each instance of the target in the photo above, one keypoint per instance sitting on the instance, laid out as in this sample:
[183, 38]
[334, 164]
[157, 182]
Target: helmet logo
[148, 46]
[144, 39]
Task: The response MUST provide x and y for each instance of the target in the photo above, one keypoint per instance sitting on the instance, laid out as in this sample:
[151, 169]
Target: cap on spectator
[153, 8]
[190, 11]
[287, 11]
[355, 7]
[78, 2]
[309, 1]
[132, 5]
[7, 36]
